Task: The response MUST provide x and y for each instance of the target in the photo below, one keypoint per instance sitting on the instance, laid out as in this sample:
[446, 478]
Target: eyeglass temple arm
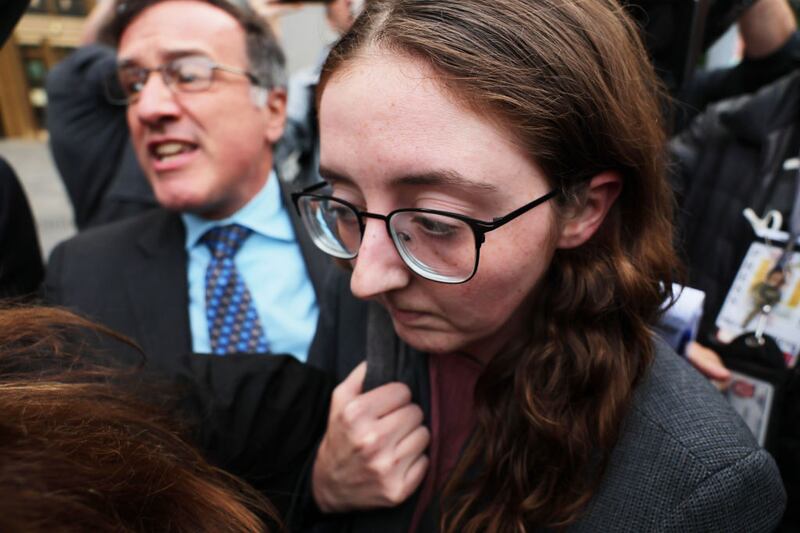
[497, 222]
[297, 194]
[250, 76]
[312, 188]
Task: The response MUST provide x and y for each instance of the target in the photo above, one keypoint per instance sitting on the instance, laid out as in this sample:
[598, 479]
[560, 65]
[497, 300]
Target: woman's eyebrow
[330, 176]
[441, 178]
[445, 178]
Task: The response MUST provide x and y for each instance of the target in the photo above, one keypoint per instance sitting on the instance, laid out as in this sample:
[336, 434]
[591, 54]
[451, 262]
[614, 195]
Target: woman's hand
[372, 454]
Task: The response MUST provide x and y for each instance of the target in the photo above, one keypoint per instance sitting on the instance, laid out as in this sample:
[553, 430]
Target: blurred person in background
[21, 266]
[89, 136]
[221, 267]
[298, 150]
[742, 154]
[678, 32]
[220, 261]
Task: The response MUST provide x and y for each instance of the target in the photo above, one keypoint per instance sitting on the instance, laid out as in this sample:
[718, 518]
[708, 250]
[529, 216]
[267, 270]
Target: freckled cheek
[471, 307]
[498, 291]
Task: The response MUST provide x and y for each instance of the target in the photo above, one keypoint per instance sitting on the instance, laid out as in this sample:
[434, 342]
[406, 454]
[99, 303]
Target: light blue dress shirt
[272, 266]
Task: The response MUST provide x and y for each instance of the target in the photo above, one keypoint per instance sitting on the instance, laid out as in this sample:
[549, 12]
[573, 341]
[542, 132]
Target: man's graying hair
[267, 62]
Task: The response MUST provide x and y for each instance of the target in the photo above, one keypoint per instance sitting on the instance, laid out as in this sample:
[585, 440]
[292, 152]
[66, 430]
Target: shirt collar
[265, 214]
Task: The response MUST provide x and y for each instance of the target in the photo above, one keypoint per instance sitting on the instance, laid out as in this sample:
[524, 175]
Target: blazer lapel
[158, 289]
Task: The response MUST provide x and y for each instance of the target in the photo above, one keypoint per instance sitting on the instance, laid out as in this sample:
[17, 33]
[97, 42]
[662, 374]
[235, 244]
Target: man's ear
[584, 221]
[275, 113]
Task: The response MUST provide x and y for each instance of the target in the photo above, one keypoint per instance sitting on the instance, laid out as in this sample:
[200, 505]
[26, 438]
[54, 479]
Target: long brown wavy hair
[80, 450]
[571, 82]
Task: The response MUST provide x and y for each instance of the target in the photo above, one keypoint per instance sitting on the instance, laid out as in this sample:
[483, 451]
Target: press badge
[756, 285]
[752, 399]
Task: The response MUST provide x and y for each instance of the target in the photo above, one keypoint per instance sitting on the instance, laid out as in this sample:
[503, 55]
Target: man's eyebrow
[169, 55]
[445, 178]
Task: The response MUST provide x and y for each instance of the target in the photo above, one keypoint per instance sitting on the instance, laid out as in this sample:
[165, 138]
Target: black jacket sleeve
[89, 137]
[257, 416]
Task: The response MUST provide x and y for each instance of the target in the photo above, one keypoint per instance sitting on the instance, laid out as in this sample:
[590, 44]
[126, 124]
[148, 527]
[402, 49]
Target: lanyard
[794, 227]
[768, 292]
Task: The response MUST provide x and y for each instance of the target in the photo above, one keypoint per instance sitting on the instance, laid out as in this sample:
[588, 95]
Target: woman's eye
[349, 198]
[342, 213]
[435, 227]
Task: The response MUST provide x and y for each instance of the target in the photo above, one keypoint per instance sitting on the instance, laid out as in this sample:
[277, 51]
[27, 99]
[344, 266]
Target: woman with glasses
[494, 177]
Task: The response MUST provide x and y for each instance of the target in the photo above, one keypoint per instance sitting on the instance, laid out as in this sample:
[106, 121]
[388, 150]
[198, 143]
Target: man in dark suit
[222, 266]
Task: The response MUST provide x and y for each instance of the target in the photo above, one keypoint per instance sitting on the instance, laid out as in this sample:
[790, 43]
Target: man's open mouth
[168, 150]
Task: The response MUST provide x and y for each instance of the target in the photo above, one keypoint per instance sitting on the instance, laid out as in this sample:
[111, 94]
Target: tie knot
[225, 241]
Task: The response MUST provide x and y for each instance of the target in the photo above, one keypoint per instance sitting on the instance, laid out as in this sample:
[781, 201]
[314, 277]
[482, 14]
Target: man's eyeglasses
[437, 245]
[189, 74]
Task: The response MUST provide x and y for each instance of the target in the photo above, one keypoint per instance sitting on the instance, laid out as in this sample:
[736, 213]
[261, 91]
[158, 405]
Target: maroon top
[452, 384]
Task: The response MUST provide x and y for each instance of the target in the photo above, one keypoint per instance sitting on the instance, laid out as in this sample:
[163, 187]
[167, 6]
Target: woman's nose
[378, 268]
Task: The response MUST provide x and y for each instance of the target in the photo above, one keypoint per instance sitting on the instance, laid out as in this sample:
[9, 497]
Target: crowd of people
[415, 287]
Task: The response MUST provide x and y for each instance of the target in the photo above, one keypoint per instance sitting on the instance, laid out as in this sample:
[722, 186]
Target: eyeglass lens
[186, 74]
[437, 247]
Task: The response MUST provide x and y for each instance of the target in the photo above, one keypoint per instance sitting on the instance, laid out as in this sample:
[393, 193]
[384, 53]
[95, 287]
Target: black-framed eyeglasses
[437, 245]
[188, 74]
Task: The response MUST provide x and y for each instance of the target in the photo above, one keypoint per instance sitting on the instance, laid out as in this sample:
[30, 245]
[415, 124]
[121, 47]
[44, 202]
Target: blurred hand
[765, 27]
[272, 10]
[708, 363]
[372, 452]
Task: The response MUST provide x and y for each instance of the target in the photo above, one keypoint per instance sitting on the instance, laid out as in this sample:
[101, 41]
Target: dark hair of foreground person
[80, 450]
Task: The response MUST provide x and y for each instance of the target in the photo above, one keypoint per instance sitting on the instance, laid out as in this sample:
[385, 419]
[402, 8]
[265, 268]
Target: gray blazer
[685, 461]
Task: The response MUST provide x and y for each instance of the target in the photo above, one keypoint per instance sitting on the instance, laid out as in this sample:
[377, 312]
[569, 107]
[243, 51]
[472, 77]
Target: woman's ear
[587, 218]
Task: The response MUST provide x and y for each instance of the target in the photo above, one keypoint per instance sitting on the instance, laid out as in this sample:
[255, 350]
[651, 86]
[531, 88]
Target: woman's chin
[428, 341]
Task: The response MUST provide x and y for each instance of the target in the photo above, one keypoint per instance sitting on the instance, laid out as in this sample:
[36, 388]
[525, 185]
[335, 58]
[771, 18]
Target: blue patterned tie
[233, 324]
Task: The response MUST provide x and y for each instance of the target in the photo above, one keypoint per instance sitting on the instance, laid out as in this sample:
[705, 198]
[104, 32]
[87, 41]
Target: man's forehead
[175, 28]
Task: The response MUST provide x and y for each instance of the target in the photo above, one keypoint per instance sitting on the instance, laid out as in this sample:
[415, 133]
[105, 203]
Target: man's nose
[156, 102]
[378, 268]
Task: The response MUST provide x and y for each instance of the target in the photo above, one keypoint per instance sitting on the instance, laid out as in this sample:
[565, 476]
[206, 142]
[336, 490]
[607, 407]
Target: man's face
[205, 152]
[341, 14]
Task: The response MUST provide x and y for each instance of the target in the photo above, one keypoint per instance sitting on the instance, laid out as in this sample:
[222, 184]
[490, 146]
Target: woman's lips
[409, 317]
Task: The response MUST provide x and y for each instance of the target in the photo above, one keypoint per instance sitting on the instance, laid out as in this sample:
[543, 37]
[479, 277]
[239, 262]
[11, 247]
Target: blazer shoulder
[747, 495]
[100, 254]
[684, 457]
[679, 406]
[110, 239]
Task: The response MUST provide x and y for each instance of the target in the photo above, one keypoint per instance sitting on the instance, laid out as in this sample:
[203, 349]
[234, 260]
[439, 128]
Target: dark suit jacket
[21, 267]
[256, 416]
[131, 276]
[685, 461]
